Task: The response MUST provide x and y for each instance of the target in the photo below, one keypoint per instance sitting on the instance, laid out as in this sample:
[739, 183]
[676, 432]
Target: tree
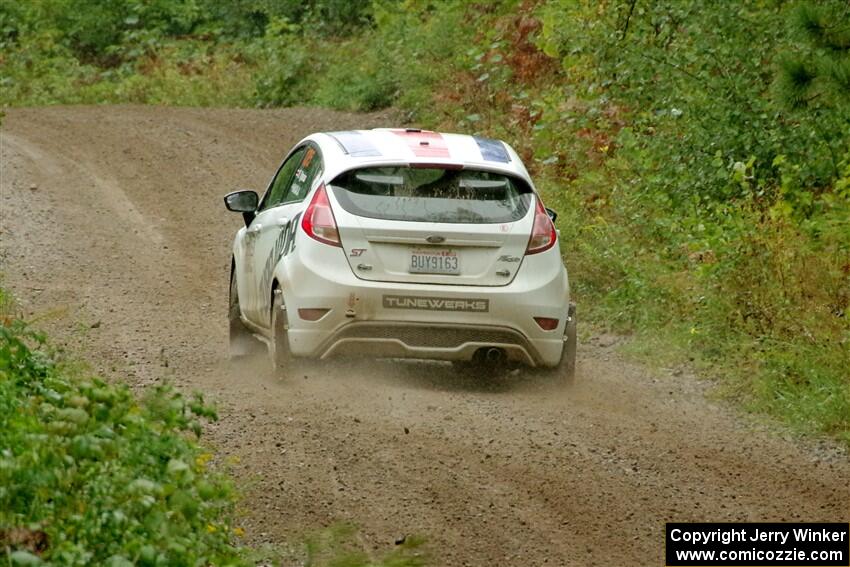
[818, 74]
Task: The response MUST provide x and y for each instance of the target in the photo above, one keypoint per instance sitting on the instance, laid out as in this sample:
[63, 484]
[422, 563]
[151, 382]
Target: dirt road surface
[115, 238]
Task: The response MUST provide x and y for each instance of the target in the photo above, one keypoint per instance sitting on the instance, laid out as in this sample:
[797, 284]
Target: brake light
[423, 165]
[543, 235]
[319, 222]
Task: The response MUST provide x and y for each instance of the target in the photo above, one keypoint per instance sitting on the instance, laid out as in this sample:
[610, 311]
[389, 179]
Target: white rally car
[401, 243]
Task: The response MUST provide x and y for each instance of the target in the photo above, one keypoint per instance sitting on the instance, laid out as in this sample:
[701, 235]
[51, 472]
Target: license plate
[434, 262]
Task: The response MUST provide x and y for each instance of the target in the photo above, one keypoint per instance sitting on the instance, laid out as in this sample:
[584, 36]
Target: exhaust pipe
[494, 355]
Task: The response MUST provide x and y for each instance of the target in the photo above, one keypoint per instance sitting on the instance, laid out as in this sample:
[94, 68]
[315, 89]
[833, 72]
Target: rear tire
[279, 352]
[242, 341]
[570, 346]
[565, 370]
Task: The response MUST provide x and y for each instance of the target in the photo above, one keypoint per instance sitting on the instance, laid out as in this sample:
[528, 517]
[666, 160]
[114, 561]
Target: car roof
[351, 149]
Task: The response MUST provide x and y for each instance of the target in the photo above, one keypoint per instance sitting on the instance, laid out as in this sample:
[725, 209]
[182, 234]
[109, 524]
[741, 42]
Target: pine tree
[818, 74]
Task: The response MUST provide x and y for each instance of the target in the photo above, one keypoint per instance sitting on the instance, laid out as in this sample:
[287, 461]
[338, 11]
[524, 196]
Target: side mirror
[244, 202]
[552, 214]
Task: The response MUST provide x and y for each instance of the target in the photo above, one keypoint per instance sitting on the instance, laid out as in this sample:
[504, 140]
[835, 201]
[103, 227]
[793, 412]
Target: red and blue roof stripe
[422, 143]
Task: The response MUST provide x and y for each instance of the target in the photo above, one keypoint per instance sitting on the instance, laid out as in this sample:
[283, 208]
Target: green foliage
[90, 476]
[815, 73]
[283, 84]
[740, 200]
[187, 52]
[369, 71]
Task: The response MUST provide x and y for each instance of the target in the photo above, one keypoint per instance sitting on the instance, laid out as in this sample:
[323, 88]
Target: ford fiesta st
[401, 243]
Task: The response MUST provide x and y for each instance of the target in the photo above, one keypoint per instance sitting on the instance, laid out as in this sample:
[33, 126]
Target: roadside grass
[182, 73]
[338, 546]
[762, 322]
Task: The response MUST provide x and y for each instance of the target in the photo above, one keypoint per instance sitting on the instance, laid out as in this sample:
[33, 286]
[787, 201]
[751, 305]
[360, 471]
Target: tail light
[319, 222]
[543, 235]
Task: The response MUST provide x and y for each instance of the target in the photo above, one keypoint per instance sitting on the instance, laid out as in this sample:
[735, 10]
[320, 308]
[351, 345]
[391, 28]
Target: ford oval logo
[435, 239]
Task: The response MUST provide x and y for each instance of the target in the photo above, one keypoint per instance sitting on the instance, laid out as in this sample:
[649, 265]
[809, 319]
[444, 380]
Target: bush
[90, 476]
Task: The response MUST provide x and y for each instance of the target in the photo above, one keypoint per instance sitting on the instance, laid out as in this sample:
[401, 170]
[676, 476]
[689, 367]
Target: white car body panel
[386, 310]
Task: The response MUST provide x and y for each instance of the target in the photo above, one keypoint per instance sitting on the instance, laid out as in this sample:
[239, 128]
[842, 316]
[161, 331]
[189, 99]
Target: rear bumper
[430, 321]
[423, 340]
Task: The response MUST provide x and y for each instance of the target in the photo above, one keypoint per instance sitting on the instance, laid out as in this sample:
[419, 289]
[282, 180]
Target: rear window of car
[432, 195]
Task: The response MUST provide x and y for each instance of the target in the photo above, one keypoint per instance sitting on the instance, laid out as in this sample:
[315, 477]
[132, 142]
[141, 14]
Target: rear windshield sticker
[355, 144]
[492, 150]
[308, 157]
